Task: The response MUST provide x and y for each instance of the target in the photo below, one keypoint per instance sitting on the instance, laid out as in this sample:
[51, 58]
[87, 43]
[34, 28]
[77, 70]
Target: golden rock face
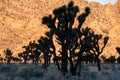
[20, 21]
[118, 3]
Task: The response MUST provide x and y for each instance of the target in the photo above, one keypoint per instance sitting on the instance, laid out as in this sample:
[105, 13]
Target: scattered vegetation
[8, 55]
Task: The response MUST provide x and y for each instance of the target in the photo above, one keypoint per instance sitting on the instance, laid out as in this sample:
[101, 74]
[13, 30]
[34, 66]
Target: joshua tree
[61, 25]
[23, 55]
[15, 59]
[111, 59]
[20, 56]
[97, 49]
[1, 59]
[45, 47]
[73, 38]
[8, 55]
[31, 52]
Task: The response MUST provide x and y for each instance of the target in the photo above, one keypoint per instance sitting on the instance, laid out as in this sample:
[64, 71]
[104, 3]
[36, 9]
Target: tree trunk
[72, 67]
[98, 63]
[25, 59]
[64, 60]
[78, 61]
[56, 62]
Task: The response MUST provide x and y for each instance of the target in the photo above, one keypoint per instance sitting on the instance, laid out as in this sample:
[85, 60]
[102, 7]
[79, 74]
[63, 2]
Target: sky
[104, 1]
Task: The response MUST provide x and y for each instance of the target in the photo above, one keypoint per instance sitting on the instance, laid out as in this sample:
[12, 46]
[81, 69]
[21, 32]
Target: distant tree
[88, 58]
[15, 59]
[1, 59]
[103, 58]
[8, 55]
[111, 59]
[97, 48]
[45, 47]
[31, 52]
[48, 49]
[20, 57]
[23, 55]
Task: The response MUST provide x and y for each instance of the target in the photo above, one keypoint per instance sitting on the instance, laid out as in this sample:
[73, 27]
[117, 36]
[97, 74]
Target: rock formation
[20, 21]
[118, 3]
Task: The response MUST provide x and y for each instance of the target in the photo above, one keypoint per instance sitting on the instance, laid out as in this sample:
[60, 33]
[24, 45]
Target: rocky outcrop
[118, 3]
[20, 21]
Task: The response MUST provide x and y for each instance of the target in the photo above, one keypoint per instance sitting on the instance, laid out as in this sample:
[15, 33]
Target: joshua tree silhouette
[72, 38]
[45, 48]
[8, 55]
[31, 52]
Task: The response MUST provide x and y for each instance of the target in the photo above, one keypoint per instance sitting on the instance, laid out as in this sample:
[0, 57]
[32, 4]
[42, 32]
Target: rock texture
[20, 21]
[118, 3]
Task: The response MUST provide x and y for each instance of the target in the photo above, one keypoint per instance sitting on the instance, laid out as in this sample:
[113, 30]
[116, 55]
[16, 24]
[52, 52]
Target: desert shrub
[37, 72]
[4, 68]
[18, 78]
[24, 72]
